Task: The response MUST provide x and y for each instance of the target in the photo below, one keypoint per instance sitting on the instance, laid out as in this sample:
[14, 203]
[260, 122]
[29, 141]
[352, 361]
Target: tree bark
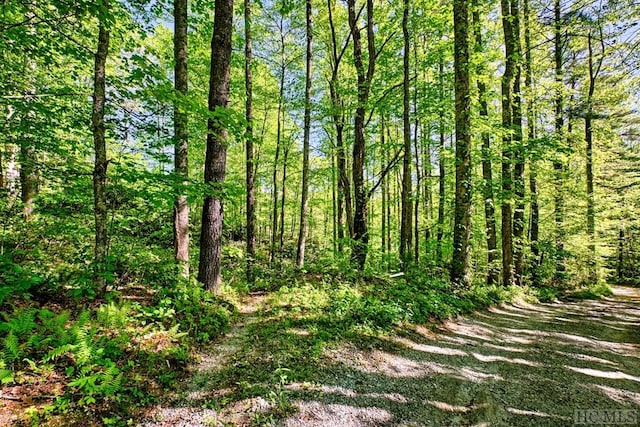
[217, 138]
[487, 174]
[100, 162]
[594, 70]
[534, 223]
[406, 211]
[249, 156]
[519, 153]
[302, 237]
[364, 77]
[507, 148]
[28, 175]
[337, 107]
[181, 138]
[558, 166]
[285, 162]
[274, 219]
[460, 273]
[441, 169]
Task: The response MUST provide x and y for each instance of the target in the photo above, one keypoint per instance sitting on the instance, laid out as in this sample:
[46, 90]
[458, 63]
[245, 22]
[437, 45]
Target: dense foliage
[380, 192]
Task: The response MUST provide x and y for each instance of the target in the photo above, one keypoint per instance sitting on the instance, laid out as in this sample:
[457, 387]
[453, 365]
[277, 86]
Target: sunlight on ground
[315, 414]
[587, 358]
[616, 394]
[454, 408]
[604, 374]
[346, 392]
[488, 358]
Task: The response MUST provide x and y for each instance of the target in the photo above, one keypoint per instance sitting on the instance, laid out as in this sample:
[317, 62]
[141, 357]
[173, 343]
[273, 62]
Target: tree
[209, 272]
[344, 203]
[460, 273]
[558, 166]
[249, 155]
[405, 223]
[100, 161]
[594, 66]
[510, 128]
[531, 135]
[487, 174]
[304, 205]
[364, 78]
[181, 135]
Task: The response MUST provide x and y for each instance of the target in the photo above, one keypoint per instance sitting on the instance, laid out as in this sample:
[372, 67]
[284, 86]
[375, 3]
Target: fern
[11, 348]
[58, 352]
[84, 346]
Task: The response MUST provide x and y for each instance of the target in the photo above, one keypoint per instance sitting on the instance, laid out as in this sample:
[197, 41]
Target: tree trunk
[274, 219]
[285, 161]
[217, 139]
[620, 263]
[181, 135]
[302, 237]
[487, 175]
[360, 230]
[337, 107]
[594, 69]
[519, 153]
[383, 157]
[100, 162]
[28, 175]
[460, 273]
[558, 166]
[507, 146]
[441, 170]
[249, 157]
[531, 134]
[406, 211]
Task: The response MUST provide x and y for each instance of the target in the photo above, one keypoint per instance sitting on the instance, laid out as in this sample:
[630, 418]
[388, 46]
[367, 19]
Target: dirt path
[522, 365]
[525, 365]
[185, 409]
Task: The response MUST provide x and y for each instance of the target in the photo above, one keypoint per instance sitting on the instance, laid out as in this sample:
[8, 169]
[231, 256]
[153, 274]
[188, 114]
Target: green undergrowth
[107, 359]
[593, 291]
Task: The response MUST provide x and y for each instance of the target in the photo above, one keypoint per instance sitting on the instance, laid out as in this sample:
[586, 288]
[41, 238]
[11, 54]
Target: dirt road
[526, 365]
[517, 365]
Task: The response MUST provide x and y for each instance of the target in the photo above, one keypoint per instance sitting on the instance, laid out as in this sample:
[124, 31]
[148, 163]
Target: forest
[238, 202]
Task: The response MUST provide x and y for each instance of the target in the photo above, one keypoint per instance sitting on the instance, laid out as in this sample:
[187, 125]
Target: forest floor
[512, 365]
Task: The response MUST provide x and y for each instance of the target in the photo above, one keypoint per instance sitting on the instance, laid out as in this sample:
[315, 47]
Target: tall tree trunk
[100, 162]
[302, 237]
[519, 153]
[383, 157]
[217, 139]
[274, 218]
[620, 261]
[594, 70]
[487, 175]
[364, 78]
[334, 203]
[531, 135]
[460, 273]
[181, 138]
[337, 107]
[249, 156]
[28, 174]
[507, 146]
[419, 177]
[441, 168]
[558, 166]
[406, 211]
[285, 161]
